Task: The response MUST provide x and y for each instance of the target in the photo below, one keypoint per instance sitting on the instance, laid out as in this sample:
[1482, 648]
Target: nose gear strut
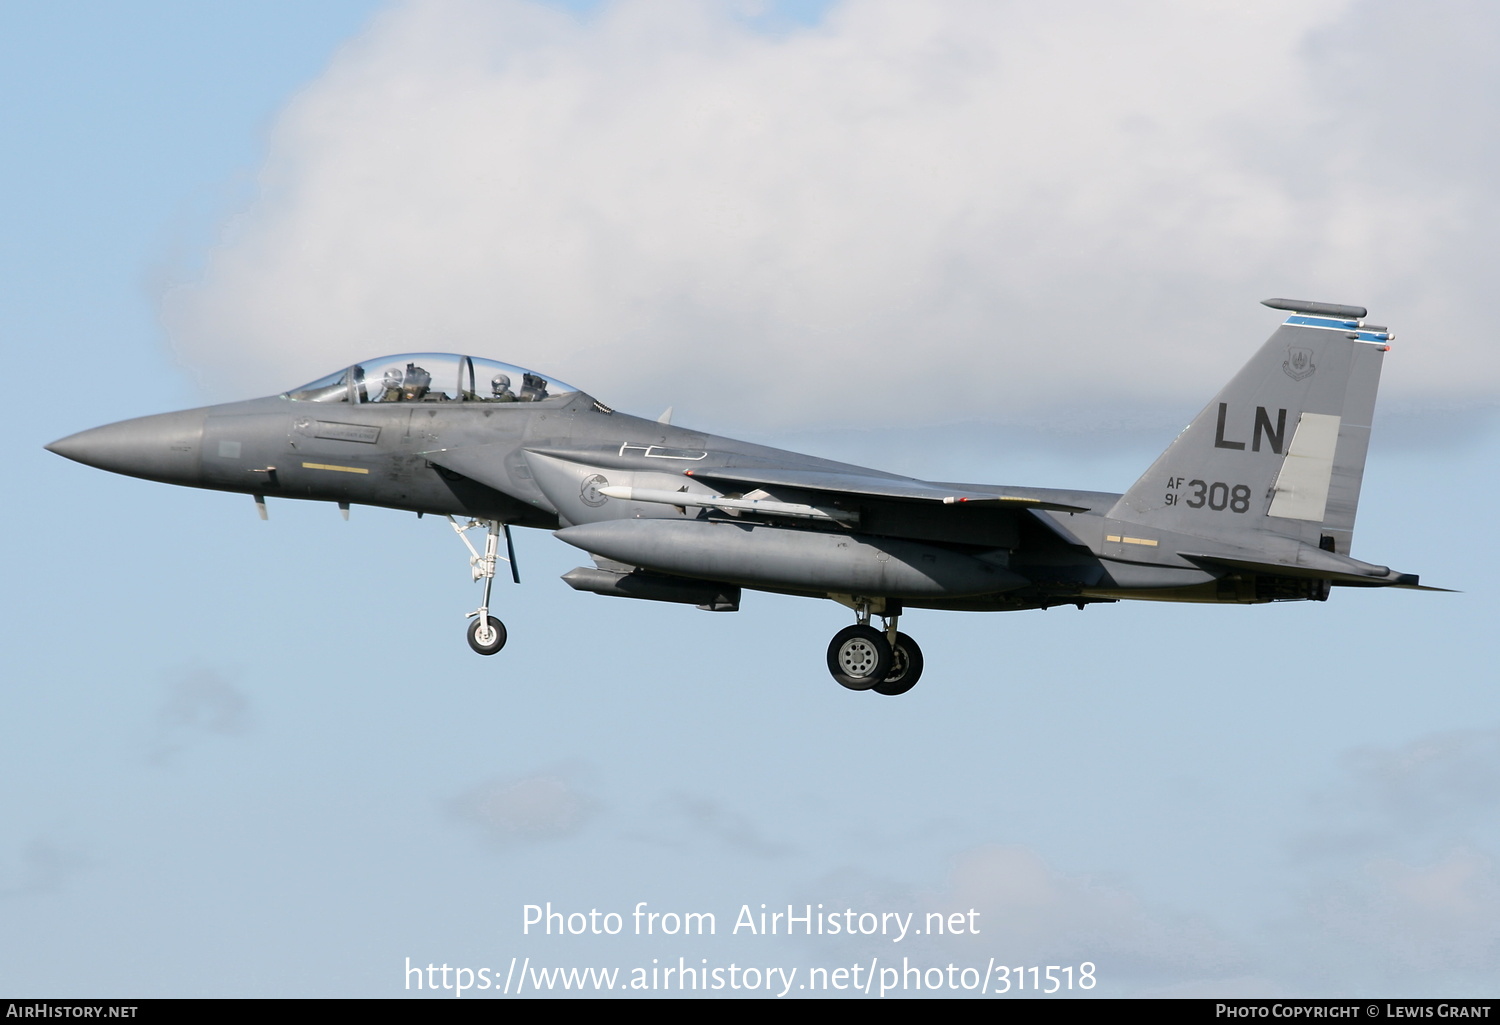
[486, 633]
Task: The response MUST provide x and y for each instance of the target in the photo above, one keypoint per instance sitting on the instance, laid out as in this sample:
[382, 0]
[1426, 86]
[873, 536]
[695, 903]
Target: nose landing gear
[487, 634]
[861, 657]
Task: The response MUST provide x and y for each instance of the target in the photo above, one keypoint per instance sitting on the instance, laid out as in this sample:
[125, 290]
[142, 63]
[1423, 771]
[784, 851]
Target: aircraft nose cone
[167, 447]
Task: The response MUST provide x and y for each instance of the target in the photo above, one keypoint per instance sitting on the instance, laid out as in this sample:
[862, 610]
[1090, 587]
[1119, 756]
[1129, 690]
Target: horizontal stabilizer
[1310, 563]
[873, 487]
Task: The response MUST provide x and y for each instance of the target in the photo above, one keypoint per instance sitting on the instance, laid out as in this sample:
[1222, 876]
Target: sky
[992, 242]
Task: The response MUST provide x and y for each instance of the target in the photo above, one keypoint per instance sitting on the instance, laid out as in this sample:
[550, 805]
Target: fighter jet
[1253, 502]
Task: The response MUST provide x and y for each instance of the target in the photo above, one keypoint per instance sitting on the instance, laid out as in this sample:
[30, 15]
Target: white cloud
[1438, 790]
[1393, 887]
[1415, 922]
[1026, 911]
[941, 211]
[200, 703]
[46, 867]
[1437, 775]
[527, 809]
[1399, 881]
[1035, 911]
[712, 820]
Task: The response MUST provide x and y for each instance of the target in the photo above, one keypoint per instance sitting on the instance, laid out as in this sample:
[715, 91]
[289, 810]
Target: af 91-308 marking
[1218, 496]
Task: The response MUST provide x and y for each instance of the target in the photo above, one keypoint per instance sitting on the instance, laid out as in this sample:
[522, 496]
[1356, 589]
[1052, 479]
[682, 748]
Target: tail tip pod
[1308, 313]
[1316, 309]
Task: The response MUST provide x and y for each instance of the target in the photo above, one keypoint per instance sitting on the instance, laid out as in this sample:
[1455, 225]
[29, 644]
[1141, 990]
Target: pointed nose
[167, 447]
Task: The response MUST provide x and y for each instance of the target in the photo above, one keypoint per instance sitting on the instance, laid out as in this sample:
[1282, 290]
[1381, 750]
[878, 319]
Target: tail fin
[1281, 450]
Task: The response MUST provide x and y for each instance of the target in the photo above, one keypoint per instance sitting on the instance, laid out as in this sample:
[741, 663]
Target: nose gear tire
[489, 641]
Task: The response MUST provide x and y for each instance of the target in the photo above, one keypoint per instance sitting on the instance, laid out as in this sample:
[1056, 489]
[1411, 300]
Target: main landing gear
[861, 657]
[486, 633]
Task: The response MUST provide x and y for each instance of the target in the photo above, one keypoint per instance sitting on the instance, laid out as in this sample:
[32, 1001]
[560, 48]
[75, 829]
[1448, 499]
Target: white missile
[756, 505]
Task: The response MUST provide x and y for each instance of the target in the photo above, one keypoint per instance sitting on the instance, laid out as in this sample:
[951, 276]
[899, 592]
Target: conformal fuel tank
[784, 559]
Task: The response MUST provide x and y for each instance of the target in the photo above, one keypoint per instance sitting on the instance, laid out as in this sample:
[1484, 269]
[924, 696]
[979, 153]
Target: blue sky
[246, 758]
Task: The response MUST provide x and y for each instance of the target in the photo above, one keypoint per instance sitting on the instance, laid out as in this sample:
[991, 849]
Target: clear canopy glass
[433, 377]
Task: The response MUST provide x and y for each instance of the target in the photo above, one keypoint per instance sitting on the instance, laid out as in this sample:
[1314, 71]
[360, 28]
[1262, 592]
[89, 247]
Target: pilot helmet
[500, 383]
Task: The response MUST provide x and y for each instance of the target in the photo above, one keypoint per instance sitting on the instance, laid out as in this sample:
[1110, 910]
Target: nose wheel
[861, 657]
[486, 633]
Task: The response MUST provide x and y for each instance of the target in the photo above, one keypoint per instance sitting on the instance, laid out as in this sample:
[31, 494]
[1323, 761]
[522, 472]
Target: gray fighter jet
[1253, 502]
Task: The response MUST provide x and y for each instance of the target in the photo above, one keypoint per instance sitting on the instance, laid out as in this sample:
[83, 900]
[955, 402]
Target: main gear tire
[906, 668]
[859, 657]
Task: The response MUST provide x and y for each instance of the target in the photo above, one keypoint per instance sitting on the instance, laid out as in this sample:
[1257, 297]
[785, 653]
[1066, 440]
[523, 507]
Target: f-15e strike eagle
[1253, 502]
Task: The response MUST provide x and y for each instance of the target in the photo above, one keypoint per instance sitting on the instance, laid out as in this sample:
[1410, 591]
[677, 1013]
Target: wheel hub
[858, 657]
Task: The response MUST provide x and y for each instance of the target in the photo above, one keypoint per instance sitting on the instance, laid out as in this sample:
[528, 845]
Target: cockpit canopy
[433, 377]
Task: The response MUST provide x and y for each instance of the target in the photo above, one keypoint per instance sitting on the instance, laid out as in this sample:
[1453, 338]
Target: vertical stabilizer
[1281, 450]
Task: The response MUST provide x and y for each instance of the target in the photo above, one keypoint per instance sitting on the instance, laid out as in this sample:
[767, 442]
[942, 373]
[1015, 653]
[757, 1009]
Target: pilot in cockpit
[533, 388]
[500, 387]
[415, 384]
[390, 386]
